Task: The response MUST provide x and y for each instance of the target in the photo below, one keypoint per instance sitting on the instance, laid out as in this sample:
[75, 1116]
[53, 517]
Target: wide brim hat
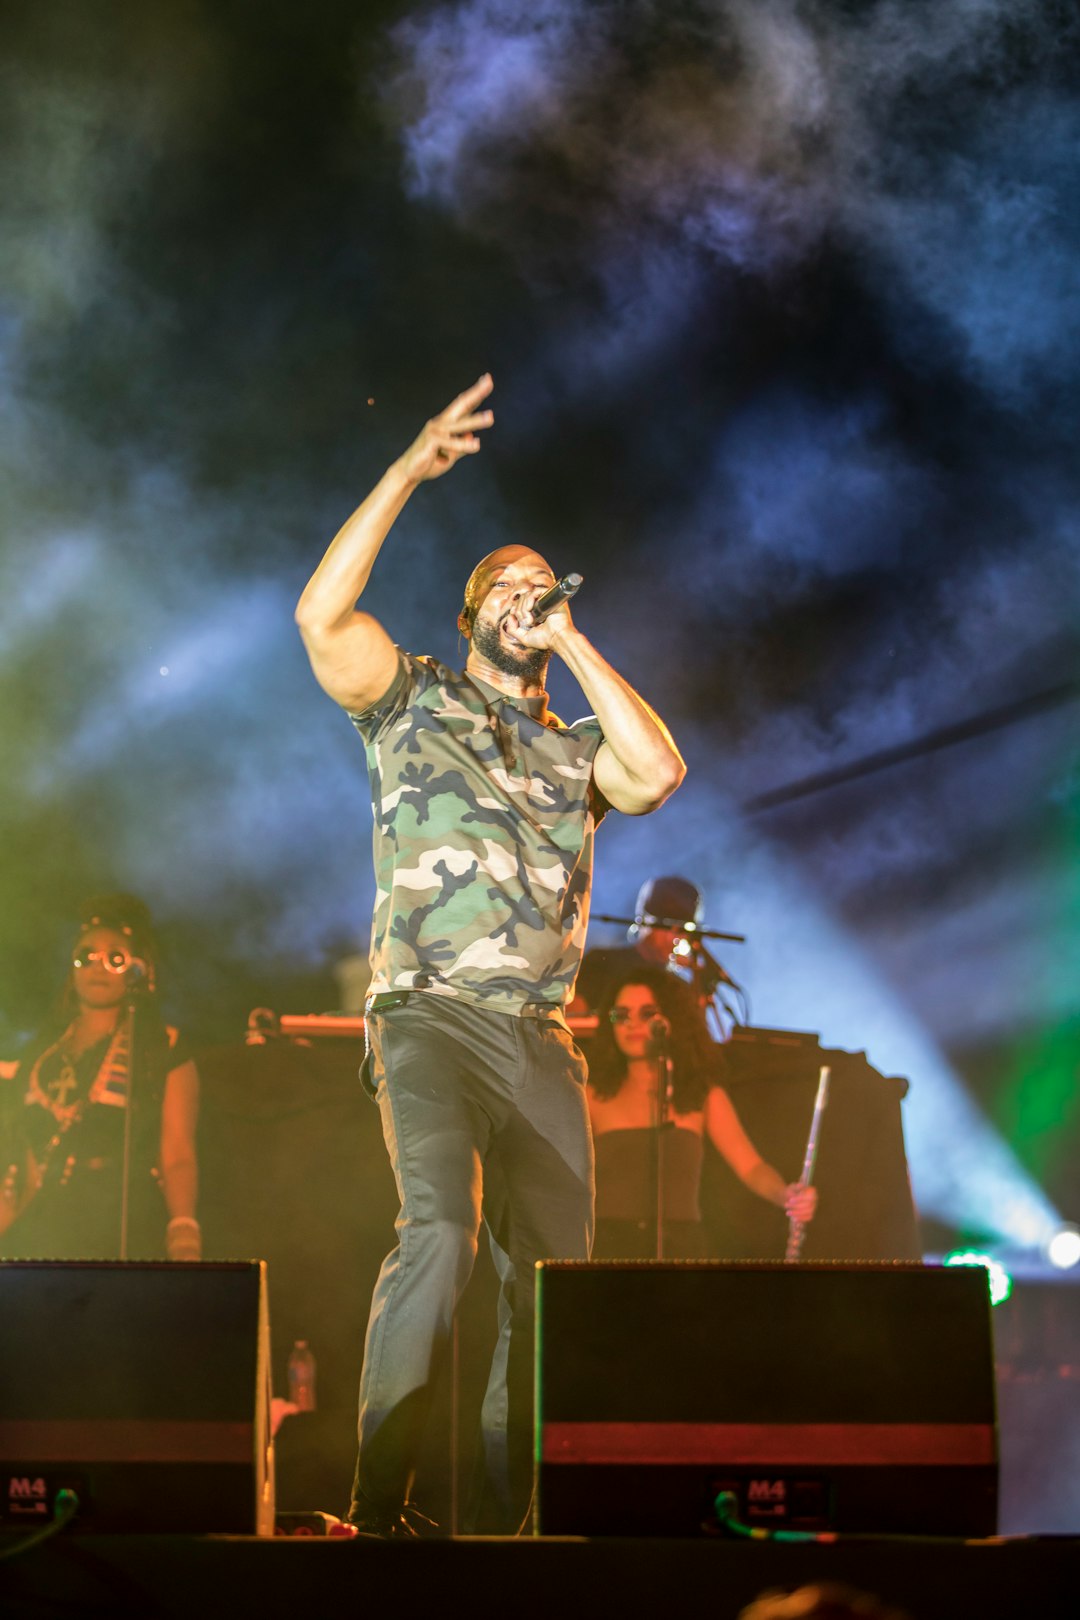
[673, 899]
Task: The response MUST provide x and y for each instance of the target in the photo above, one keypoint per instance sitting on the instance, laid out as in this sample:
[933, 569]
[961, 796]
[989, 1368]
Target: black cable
[726, 1508]
[65, 1508]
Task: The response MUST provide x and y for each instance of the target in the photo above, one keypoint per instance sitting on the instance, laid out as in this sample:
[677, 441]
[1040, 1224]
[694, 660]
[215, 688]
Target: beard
[529, 664]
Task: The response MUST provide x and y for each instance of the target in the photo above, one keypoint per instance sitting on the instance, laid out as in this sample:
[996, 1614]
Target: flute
[797, 1229]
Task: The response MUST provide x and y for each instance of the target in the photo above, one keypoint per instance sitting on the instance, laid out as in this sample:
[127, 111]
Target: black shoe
[406, 1523]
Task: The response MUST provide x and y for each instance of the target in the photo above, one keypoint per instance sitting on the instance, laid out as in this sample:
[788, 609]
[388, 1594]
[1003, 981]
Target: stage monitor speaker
[145, 1388]
[826, 1397]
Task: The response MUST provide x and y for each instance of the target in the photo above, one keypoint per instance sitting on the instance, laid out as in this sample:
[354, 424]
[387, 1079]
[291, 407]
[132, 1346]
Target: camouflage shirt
[484, 818]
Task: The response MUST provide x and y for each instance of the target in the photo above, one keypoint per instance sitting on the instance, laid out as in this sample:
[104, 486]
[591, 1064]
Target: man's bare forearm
[330, 596]
[332, 591]
[351, 654]
[634, 733]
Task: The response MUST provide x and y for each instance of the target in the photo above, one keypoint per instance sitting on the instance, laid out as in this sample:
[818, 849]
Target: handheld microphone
[659, 1029]
[560, 592]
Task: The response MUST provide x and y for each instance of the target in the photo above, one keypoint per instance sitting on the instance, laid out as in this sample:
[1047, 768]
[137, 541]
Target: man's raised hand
[452, 434]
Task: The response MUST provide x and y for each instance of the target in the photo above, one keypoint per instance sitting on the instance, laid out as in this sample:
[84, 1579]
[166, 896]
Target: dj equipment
[826, 1397]
[145, 1388]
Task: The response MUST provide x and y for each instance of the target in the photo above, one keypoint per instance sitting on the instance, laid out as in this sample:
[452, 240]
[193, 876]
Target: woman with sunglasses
[98, 1123]
[653, 1098]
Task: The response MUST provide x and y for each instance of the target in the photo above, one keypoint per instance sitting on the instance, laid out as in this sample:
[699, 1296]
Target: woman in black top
[653, 1097]
[72, 1114]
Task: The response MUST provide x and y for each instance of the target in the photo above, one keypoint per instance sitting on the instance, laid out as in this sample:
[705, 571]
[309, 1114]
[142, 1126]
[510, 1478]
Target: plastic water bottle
[302, 1376]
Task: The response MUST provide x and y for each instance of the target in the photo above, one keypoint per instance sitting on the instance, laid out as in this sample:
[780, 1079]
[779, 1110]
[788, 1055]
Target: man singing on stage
[484, 806]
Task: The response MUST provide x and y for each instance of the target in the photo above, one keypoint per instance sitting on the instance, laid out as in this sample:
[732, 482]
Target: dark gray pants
[458, 1085]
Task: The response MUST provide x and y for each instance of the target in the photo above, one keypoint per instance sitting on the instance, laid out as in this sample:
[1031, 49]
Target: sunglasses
[642, 1015]
[115, 961]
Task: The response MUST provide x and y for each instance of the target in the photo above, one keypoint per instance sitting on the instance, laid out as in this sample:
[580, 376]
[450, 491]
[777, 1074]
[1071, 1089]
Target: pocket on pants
[376, 1006]
[365, 1075]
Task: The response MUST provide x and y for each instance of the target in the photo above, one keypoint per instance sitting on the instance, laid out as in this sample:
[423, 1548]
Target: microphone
[659, 1029]
[138, 980]
[560, 592]
[713, 970]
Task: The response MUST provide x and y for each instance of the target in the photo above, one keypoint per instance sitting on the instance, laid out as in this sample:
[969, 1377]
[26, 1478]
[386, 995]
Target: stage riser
[179, 1576]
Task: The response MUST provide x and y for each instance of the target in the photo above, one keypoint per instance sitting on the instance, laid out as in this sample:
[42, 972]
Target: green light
[1039, 1105]
[997, 1278]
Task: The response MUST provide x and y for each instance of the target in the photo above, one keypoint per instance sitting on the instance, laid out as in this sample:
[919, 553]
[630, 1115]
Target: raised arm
[353, 658]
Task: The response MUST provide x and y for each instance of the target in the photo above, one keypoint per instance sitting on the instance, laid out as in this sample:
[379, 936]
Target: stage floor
[163, 1576]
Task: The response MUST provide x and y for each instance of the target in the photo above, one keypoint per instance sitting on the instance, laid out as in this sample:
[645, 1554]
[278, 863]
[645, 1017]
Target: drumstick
[796, 1229]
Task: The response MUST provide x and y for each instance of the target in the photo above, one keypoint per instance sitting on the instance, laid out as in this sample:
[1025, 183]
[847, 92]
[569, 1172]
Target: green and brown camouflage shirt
[483, 842]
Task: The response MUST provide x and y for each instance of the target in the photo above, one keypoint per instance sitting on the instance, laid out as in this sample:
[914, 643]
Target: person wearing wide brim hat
[663, 904]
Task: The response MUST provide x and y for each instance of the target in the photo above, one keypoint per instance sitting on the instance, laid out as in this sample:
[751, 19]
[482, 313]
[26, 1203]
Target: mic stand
[664, 1079]
[679, 924]
[133, 1053]
[708, 976]
[720, 1008]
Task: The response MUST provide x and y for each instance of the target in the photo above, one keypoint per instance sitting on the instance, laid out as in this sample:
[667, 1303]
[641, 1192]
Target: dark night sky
[781, 304]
